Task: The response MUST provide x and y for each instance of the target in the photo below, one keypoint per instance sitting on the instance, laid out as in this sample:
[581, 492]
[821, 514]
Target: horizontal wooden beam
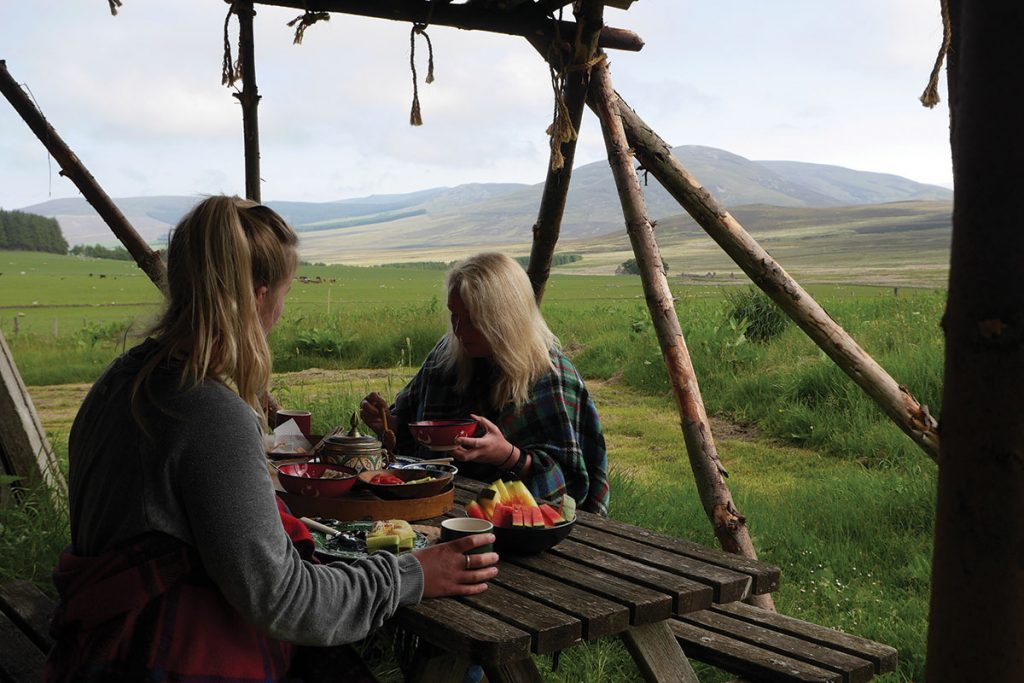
[527, 22]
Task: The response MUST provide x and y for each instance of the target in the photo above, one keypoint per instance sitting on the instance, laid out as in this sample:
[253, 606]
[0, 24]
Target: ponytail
[219, 253]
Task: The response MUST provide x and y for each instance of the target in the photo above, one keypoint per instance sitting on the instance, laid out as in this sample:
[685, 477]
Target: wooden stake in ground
[729, 525]
[896, 400]
[589, 20]
[147, 259]
[976, 631]
[24, 449]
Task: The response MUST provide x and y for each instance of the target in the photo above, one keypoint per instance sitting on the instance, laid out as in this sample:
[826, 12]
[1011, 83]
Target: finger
[487, 424]
[467, 589]
[467, 543]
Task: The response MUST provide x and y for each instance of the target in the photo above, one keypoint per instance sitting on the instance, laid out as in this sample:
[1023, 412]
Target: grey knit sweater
[198, 473]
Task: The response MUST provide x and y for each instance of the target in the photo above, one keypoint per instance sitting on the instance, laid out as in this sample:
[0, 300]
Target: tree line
[30, 232]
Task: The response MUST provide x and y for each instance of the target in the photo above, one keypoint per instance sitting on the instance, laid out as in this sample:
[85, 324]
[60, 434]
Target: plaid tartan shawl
[558, 426]
[147, 611]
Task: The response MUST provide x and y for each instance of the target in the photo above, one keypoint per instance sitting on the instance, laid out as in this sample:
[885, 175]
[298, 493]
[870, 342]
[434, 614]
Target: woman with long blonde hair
[500, 364]
[183, 564]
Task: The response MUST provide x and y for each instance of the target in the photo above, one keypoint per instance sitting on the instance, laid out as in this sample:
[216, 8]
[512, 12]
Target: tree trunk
[556, 185]
[70, 167]
[894, 399]
[976, 631]
[250, 99]
[729, 525]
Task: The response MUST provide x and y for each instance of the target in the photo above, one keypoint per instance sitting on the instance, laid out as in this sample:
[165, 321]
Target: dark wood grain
[883, 657]
[21, 661]
[765, 576]
[645, 605]
[599, 617]
[687, 595]
[657, 655]
[30, 609]
[550, 629]
[853, 669]
[460, 629]
[728, 585]
[745, 659]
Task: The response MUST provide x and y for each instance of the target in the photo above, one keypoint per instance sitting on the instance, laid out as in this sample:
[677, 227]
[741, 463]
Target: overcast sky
[138, 96]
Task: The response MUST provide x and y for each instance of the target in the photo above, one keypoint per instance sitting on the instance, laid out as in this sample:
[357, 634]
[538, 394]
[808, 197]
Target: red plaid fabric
[149, 612]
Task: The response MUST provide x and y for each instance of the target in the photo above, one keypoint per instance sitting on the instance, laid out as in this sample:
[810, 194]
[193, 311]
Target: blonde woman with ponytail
[183, 563]
[500, 364]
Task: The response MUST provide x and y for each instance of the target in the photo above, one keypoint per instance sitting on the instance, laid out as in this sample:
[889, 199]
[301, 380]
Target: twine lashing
[304, 21]
[230, 70]
[415, 117]
[930, 96]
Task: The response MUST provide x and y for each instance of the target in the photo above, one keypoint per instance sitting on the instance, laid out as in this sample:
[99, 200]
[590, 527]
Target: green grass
[837, 496]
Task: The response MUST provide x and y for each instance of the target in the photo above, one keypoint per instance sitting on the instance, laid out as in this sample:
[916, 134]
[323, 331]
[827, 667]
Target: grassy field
[836, 495]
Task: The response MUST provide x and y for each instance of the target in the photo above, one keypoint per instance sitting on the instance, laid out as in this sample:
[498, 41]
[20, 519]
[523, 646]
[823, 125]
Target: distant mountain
[495, 213]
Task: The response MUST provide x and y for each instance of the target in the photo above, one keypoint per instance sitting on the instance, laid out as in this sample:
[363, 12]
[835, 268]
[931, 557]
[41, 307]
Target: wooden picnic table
[606, 579]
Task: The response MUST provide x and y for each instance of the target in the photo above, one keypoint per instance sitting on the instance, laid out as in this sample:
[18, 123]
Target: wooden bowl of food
[405, 483]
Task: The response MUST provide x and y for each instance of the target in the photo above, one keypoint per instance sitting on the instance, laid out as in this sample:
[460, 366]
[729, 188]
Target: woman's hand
[492, 448]
[372, 410]
[447, 571]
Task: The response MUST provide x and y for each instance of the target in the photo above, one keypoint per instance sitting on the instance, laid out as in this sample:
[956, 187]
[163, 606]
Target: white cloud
[138, 96]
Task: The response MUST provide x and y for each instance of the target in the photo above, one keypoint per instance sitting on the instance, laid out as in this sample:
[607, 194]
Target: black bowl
[529, 540]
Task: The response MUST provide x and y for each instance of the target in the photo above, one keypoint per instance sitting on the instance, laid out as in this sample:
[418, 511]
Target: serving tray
[361, 504]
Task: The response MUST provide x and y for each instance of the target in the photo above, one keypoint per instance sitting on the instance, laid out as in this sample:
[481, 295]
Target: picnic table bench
[24, 631]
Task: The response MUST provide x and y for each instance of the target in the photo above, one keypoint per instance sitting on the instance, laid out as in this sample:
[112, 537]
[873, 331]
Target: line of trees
[30, 232]
[100, 251]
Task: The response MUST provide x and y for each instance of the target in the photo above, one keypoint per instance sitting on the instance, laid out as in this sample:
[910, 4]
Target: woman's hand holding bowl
[491, 448]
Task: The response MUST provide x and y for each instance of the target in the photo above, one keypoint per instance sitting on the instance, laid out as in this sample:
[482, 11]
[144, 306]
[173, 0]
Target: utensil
[323, 528]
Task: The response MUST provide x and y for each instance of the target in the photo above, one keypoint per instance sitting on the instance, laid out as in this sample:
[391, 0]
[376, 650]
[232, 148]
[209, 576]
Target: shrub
[761, 319]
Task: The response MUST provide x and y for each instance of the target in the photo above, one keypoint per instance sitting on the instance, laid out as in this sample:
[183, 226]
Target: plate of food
[357, 539]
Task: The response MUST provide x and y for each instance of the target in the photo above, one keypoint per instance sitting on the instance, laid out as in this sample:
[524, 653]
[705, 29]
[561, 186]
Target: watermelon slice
[473, 509]
[551, 515]
[520, 493]
[502, 490]
[536, 518]
[517, 515]
[502, 516]
[568, 508]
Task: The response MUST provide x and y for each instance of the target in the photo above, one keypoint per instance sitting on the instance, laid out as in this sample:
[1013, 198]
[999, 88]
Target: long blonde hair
[219, 253]
[501, 304]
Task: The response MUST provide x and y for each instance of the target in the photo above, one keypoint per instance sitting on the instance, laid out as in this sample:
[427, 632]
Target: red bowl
[307, 479]
[440, 435]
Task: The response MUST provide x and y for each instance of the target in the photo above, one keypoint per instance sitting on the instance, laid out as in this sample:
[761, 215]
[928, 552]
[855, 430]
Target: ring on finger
[467, 562]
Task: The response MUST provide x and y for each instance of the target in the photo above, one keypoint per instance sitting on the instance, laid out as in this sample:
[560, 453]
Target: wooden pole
[976, 632]
[24, 449]
[556, 184]
[894, 399]
[729, 525]
[470, 16]
[250, 99]
[147, 259]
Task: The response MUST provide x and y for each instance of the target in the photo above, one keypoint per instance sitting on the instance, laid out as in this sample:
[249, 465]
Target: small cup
[457, 527]
[302, 419]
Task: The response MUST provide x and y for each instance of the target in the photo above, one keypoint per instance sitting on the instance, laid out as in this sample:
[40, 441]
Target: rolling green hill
[463, 219]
